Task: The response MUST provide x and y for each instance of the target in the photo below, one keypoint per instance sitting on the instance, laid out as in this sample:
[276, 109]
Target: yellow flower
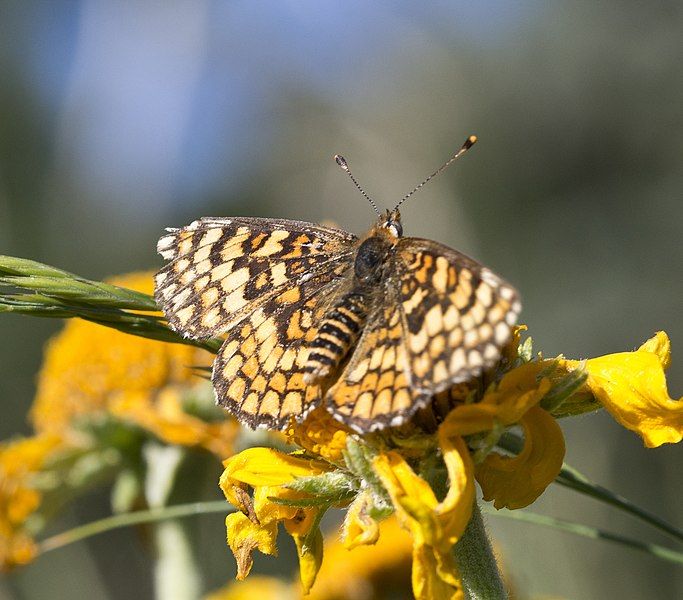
[320, 434]
[255, 528]
[504, 404]
[90, 371]
[632, 388]
[364, 573]
[515, 482]
[435, 526]
[20, 462]
[427, 479]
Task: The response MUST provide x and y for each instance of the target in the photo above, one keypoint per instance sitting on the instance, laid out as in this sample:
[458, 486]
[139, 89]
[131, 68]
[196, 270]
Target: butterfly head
[391, 221]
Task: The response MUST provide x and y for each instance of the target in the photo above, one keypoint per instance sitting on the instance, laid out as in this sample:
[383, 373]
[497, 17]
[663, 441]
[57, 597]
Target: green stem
[133, 518]
[589, 532]
[477, 563]
[571, 478]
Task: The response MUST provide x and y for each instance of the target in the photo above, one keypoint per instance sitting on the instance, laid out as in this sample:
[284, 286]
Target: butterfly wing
[258, 374]
[374, 389]
[222, 269]
[457, 314]
[264, 283]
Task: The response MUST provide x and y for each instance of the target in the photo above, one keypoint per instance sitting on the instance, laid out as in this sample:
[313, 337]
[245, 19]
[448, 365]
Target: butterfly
[371, 327]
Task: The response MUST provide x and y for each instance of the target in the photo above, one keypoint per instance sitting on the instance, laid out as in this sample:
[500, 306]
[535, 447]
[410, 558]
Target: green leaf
[571, 478]
[59, 294]
[333, 487]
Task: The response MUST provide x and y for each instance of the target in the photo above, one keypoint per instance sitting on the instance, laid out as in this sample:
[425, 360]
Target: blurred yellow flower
[90, 371]
[20, 462]
[367, 572]
[92, 375]
[257, 588]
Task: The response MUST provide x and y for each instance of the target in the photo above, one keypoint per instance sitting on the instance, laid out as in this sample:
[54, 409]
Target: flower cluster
[101, 394]
[425, 472]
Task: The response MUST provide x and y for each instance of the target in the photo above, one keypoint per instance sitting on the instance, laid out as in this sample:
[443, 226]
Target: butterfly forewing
[457, 313]
[221, 270]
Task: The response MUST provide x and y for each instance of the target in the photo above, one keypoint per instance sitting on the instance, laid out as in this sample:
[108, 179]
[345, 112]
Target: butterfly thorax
[344, 321]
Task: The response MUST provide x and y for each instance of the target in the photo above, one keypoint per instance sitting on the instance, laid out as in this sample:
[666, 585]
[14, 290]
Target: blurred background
[120, 119]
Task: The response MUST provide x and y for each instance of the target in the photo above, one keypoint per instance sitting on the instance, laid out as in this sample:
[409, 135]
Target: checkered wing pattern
[265, 284]
[457, 314]
[374, 390]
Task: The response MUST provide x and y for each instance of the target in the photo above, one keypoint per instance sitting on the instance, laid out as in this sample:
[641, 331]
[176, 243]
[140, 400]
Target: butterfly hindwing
[259, 372]
[374, 389]
[457, 313]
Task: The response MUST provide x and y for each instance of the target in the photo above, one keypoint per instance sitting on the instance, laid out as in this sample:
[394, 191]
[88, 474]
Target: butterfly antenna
[341, 161]
[469, 142]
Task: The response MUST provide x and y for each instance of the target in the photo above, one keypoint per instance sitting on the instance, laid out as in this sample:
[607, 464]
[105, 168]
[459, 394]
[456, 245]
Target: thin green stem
[589, 532]
[571, 478]
[133, 518]
[477, 562]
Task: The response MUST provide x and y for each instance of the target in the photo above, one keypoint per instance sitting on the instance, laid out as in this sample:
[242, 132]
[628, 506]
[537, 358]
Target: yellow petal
[632, 387]
[265, 466]
[359, 527]
[435, 526]
[504, 403]
[262, 466]
[310, 551]
[244, 537]
[435, 576]
[456, 509]
[515, 482]
[660, 345]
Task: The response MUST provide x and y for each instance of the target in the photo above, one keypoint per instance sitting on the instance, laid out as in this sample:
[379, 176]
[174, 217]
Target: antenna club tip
[341, 161]
[471, 141]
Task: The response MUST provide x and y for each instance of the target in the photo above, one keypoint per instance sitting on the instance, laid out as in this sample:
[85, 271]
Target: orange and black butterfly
[369, 327]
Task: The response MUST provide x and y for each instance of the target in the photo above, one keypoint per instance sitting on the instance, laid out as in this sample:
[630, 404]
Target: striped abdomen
[336, 336]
